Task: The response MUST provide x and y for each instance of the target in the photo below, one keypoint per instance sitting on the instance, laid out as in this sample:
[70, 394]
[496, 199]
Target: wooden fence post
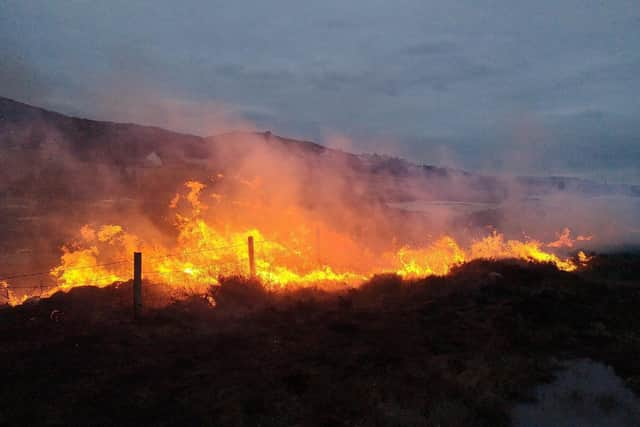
[137, 285]
[252, 261]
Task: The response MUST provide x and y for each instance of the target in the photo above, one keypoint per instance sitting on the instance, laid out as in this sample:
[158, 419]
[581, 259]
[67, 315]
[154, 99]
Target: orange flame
[205, 251]
[565, 240]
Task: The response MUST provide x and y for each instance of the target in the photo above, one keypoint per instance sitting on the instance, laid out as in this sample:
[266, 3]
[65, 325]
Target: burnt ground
[454, 351]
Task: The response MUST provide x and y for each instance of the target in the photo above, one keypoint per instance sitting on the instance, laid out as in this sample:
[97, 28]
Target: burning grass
[293, 249]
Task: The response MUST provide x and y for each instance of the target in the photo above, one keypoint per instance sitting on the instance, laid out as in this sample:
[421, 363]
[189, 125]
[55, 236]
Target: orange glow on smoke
[289, 251]
[565, 241]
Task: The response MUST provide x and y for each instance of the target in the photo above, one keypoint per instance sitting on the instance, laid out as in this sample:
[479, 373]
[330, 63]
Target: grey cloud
[19, 79]
[251, 74]
[452, 72]
[431, 48]
[336, 80]
[440, 75]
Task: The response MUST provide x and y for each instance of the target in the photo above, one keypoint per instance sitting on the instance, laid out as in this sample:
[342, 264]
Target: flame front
[205, 250]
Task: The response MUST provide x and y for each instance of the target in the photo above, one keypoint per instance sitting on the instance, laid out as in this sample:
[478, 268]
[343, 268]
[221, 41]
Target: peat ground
[456, 351]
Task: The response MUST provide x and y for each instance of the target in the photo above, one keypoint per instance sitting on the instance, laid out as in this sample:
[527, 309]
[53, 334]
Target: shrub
[239, 293]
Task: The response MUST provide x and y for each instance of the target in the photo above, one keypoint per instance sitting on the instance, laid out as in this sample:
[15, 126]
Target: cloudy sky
[547, 86]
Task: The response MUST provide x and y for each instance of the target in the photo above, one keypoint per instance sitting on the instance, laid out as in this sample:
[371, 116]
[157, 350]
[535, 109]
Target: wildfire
[436, 259]
[8, 296]
[207, 249]
[565, 241]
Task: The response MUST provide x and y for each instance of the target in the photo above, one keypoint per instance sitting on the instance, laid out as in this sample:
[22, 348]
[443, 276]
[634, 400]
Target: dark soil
[452, 351]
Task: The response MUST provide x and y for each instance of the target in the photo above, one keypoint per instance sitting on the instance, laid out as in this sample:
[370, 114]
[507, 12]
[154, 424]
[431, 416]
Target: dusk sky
[536, 87]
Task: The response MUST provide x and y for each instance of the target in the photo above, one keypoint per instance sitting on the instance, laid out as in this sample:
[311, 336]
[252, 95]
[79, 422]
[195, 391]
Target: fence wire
[8, 285]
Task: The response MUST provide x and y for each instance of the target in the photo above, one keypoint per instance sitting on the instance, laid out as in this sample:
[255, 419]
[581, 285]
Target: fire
[80, 263]
[81, 267]
[436, 259]
[565, 240]
[8, 296]
[445, 253]
[496, 247]
[287, 254]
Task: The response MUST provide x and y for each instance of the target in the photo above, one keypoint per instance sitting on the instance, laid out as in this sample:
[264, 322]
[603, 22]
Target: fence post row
[137, 285]
[252, 261]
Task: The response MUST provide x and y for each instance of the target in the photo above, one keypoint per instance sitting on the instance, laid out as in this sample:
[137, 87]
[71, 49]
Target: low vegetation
[456, 350]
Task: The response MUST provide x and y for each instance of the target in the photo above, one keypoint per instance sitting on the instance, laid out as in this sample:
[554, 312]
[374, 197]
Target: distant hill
[118, 145]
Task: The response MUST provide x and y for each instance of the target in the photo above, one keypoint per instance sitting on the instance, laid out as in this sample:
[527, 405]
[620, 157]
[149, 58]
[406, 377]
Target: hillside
[117, 144]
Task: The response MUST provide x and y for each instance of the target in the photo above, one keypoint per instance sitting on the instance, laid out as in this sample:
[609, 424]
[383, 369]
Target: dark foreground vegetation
[453, 351]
